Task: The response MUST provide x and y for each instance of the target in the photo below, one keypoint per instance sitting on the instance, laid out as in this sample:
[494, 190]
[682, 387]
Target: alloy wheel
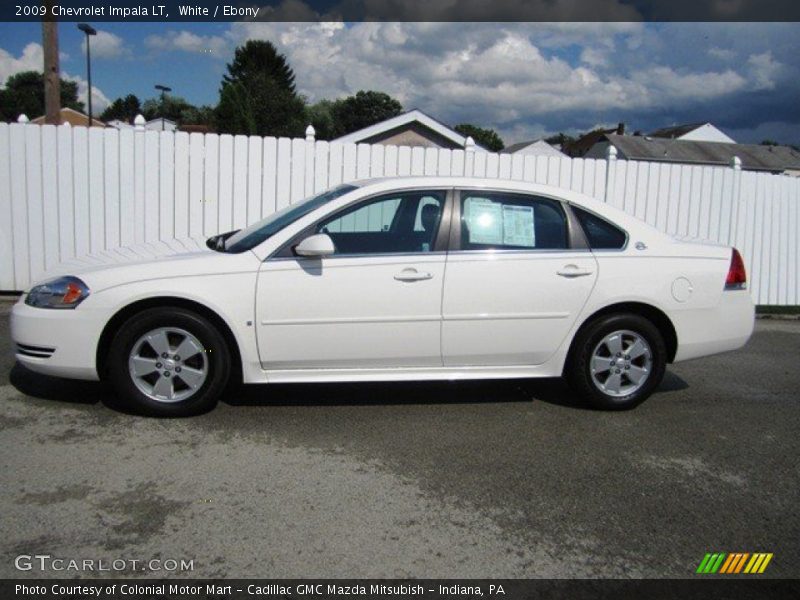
[168, 364]
[621, 363]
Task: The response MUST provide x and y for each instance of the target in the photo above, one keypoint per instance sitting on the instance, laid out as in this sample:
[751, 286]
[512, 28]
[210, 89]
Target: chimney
[621, 129]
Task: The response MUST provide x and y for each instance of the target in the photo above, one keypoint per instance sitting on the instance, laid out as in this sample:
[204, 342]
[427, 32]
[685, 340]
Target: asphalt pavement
[482, 479]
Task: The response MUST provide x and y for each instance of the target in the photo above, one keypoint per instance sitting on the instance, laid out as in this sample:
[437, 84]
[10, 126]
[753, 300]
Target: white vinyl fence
[67, 192]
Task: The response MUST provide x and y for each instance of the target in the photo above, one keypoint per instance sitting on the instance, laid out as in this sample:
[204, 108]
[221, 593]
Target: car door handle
[573, 271]
[412, 275]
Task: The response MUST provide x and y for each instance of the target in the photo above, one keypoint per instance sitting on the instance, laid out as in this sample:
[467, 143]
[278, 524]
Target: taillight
[737, 278]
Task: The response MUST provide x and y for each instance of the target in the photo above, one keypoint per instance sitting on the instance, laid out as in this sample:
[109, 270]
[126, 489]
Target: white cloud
[186, 41]
[99, 100]
[764, 70]
[493, 74]
[31, 59]
[518, 76]
[721, 53]
[664, 83]
[594, 57]
[106, 45]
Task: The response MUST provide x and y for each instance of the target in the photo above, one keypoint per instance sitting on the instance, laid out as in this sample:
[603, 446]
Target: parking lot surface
[481, 479]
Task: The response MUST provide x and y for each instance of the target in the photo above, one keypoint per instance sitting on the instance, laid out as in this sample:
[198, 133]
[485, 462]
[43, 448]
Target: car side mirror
[316, 246]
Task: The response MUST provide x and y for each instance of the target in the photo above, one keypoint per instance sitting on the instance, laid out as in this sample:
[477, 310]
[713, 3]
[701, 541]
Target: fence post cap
[469, 144]
[611, 152]
[138, 122]
[736, 163]
[310, 133]
[23, 118]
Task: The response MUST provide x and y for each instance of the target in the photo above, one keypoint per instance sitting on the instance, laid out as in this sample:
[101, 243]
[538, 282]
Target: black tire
[216, 351]
[578, 371]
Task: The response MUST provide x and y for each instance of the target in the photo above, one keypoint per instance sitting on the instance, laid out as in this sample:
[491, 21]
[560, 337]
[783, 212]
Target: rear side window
[511, 221]
[600, 234]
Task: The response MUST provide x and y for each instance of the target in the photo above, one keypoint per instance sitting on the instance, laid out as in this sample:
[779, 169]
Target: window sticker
[496, 224]
[518, 227]
[485, 221]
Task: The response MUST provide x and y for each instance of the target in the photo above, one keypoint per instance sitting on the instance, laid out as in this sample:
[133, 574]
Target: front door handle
[412, 275]
[571, 271]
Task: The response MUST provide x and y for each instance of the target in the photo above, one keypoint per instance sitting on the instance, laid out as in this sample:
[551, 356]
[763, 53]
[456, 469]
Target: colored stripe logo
[734, 563]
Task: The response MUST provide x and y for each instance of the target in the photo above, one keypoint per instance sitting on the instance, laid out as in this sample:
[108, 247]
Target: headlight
[63, 292]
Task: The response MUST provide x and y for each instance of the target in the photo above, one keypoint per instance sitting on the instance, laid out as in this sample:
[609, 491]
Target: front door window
[406, 223]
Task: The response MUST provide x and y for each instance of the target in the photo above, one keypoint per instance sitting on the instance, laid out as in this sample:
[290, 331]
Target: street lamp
[88, 30]
[163, 89]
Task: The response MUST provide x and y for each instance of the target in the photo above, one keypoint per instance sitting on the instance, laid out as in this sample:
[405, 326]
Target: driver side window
[392, 224]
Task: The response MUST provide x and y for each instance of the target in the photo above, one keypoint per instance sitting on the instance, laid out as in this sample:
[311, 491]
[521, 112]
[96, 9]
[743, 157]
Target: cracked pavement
[471, 479]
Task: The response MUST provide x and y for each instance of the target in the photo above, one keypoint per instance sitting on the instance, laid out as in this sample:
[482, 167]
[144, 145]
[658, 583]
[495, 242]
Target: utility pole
[52, 75]
[163, 89]
[89, 31]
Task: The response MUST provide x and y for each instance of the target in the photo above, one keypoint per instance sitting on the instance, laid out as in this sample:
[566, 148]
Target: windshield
[252, 236]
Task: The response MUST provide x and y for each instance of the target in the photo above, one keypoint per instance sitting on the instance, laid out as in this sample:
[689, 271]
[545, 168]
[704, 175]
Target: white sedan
[416, 278]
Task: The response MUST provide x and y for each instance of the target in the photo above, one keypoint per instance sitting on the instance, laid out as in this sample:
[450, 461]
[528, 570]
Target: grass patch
[763, 309]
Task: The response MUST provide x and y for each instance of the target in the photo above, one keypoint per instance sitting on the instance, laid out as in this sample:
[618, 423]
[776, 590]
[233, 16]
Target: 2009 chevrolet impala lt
[415, 278]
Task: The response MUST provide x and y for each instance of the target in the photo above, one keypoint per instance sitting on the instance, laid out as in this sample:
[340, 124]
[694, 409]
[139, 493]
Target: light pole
[88, 30]
[163, 89]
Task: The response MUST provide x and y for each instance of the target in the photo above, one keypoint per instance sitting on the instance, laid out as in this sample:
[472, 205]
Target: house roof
[522, 145]
[119, 124]
[406, 118]
[584, 143]
[73, 117]
[676, 131]
[160, 119]
[518, 146]
[754, 157]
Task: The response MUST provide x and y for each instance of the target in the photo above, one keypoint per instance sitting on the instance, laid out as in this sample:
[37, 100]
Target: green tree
[487, 138]
[362, 110]
[177, 109]
[235, 112]
[258, 58]
[561, 139]
[320, 115]
[170, 107]
[198, 115]
[258, 95]
[124, 109]
[24, 93]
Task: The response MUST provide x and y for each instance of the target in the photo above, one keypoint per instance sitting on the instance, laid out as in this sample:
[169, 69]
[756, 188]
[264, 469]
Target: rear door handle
[412, 275]
[572, 271]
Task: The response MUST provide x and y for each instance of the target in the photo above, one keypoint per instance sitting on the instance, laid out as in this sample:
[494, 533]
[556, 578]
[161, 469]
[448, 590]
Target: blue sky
[524, 79]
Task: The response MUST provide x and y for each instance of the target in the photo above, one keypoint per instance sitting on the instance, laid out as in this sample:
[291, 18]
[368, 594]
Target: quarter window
[511, 221]
[600, 234]
[393, 224]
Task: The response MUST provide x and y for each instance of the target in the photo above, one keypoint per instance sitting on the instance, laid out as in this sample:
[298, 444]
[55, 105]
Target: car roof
[412, 181]
[490, 183]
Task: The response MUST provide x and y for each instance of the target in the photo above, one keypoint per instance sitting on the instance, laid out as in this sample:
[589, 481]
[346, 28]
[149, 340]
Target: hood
[154, 260]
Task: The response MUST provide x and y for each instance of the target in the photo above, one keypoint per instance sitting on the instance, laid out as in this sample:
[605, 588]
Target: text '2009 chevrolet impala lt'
[415, 278]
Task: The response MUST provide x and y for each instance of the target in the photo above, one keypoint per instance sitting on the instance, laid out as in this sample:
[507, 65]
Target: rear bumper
[62, 343]
[725, 327]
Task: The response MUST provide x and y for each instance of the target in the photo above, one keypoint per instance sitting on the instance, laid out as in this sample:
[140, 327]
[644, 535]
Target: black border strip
[402, 10]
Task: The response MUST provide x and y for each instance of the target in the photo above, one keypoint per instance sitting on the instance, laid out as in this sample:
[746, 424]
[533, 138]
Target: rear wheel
[617, 361]
[169, 362]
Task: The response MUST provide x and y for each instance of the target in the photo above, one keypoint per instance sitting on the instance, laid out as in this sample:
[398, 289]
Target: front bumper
[62, 343]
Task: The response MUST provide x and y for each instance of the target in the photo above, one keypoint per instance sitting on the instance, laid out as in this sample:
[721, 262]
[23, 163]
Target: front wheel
[169, 362]
[617, 361]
